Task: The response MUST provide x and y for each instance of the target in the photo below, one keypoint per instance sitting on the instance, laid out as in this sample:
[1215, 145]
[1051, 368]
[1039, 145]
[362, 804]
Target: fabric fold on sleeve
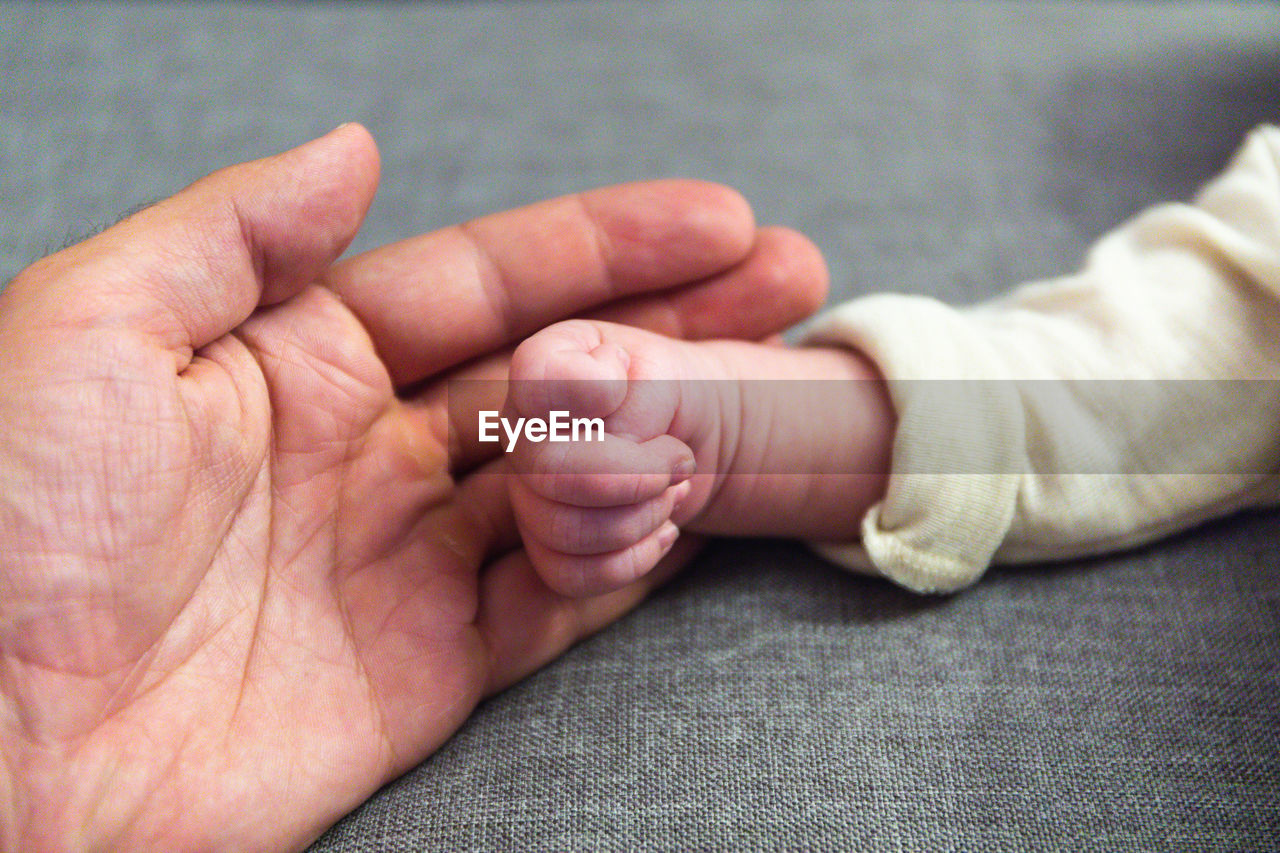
[952, 492]
[1087, 413]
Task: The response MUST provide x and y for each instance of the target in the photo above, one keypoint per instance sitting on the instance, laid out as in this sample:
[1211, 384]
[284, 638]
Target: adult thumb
[192, 267]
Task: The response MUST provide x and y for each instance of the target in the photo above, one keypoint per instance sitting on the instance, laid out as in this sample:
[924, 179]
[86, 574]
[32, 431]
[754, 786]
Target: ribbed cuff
[958, 454]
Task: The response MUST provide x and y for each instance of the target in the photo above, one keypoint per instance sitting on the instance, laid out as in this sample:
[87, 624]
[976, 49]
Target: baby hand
[595, 511]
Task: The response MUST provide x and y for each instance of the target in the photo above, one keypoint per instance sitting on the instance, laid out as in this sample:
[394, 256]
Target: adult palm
[246, 576]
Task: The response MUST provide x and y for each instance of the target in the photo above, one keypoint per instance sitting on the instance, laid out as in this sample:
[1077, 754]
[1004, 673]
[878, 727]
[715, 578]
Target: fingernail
[683, 470]
[679, 492]
[667, 535]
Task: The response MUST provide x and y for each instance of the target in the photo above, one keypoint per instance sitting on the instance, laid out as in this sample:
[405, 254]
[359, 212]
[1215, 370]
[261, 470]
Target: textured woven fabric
[765, 700]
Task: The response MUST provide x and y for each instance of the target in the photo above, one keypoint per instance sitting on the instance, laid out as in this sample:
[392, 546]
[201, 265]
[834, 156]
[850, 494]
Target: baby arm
[714, 437]
[1130, 400]
[1075, 416]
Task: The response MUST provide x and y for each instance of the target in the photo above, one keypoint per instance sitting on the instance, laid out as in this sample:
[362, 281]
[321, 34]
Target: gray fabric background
[764, 700]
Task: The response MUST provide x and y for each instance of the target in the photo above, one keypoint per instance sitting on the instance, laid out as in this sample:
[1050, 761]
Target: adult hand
[244, 580]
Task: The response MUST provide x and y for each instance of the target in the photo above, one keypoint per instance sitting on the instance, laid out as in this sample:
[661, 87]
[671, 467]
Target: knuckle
[570, 531]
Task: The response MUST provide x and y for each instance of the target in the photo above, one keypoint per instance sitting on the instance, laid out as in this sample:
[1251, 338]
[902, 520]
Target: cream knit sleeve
[1087, 413]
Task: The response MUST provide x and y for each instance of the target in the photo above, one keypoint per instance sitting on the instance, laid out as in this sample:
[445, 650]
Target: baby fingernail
[679, 492]
[667, 535]
[684, 470]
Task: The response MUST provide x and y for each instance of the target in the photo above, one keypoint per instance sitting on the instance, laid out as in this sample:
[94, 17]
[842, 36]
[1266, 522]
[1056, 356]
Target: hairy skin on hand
[244, 580]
